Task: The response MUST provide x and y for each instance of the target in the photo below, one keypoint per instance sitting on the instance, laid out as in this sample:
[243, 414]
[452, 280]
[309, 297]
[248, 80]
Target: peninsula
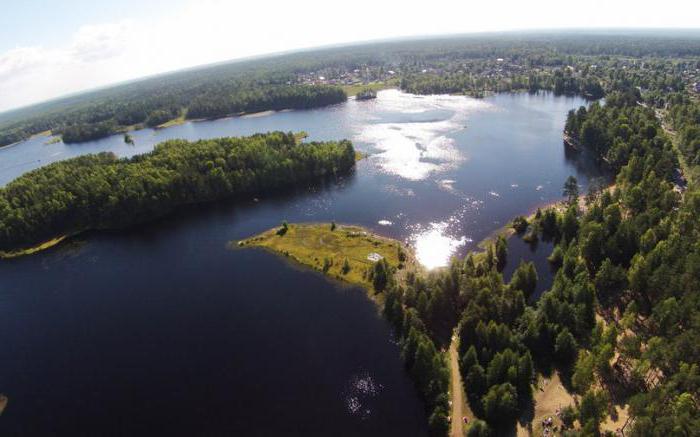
[344, 252]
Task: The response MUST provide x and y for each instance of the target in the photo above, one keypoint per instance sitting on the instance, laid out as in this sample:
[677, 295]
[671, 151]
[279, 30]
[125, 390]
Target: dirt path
[459, 408]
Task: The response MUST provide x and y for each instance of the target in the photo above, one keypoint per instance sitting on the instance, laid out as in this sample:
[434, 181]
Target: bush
[438, 424]
[478, 428]
[557, 256]
[327, 263]
[283, 229]
[520, 224]
[568, 415]
[501, 404]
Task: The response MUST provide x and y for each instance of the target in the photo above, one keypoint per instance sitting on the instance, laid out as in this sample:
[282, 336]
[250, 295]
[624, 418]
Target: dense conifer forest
[103, 192]
[621, 322]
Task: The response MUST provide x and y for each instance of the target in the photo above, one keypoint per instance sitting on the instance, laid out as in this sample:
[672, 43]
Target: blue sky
[52, 48]
[47, 22]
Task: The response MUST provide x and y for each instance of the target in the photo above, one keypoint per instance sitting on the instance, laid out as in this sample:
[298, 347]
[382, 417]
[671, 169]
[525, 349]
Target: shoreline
[507, 230]
[313, 242]
[34, 249]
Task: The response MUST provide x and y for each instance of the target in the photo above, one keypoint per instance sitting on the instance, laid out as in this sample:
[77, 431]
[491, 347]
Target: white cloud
[20, 60]
[99, 42]
[205, 31]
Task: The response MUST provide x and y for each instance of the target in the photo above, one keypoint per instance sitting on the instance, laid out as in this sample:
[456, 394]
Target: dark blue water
[164, 330]
[537, 252]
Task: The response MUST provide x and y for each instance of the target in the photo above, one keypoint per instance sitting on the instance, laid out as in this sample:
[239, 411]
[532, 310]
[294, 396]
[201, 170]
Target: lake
[165, 329]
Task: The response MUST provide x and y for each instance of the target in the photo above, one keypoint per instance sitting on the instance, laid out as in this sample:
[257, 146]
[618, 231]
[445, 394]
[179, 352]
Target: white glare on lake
[434, 247]
[361, 389]
[447, 184]
[419, 144]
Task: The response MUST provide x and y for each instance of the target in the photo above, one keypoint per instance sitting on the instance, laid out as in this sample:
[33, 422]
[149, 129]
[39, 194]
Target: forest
[621, 322]
[561, 82]
[103, 192]
[217, 101]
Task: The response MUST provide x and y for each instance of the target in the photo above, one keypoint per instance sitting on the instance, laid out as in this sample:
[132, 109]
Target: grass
[352, 90]
[312, 243]
[549, 395]
[174, 122]
[29, 251]
[53, 140]
[45, 133]
[359, 156]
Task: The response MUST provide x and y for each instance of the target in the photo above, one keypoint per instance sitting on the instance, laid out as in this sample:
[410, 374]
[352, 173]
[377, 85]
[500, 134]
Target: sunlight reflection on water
[434, 246]
[418, 145]
[362, 388]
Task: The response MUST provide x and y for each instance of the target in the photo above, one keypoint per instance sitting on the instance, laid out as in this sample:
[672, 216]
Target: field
[174, 122]
[316, 244]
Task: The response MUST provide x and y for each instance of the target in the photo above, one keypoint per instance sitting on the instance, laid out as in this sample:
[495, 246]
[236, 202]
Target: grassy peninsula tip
[344, 252]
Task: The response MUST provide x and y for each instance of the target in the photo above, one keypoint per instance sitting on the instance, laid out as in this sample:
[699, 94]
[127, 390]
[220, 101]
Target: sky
[52, 48]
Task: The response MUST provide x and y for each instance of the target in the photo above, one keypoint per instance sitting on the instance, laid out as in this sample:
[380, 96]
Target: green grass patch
[316, 245]
[359, 156]
[29, 251]
[174, 122]
[45, 133]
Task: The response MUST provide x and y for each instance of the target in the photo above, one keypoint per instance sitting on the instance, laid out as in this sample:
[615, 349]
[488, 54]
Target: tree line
[476, 83]
[216, 102]
[104, 192]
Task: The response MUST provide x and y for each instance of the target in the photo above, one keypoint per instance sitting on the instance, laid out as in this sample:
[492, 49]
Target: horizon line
[270, 55]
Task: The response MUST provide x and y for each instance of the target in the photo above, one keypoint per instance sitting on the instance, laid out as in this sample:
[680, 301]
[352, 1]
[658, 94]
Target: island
[96, 192]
